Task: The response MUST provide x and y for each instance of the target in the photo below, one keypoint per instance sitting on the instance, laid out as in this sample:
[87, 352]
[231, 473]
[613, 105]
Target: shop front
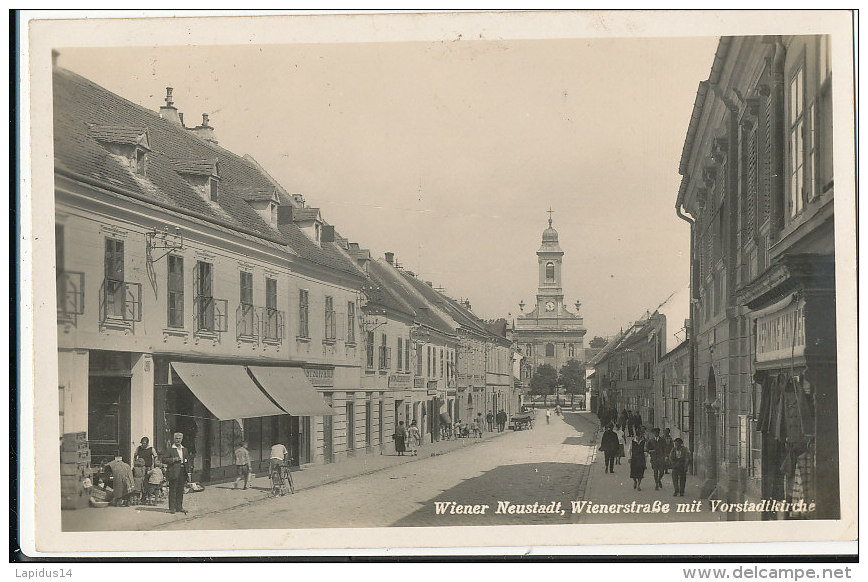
[109, 410]
[215, 406]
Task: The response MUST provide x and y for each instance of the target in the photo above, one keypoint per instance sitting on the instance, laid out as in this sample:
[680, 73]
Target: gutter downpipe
[691, 384]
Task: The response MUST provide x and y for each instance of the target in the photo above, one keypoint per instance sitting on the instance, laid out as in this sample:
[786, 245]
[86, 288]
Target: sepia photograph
[435, 280]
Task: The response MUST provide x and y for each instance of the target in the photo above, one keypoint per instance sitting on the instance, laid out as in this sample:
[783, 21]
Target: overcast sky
[449, 153]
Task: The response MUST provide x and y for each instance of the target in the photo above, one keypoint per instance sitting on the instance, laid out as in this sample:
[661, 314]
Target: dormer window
[316, 232]
[214, 189]
[141, 157]
[202, 175]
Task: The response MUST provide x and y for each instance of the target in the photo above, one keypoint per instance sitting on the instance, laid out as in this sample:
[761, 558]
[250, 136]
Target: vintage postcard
[405, 281]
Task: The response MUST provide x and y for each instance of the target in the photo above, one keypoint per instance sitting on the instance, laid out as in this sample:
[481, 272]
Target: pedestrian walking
[145, 452]
[558, 409]
[668, 445]
[501, 420]
[400, 437]
[242, 465]
[480, 421]
[622, 442]
[637, 459]
[176, 460]
[414, 437]
[477, 426]
[489, 418]
[609, 446]
[622, 419]
[548, 415]
[679, 459]
[656, 449]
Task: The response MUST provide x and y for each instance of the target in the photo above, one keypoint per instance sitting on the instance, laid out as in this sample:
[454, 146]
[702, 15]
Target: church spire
[550, 211]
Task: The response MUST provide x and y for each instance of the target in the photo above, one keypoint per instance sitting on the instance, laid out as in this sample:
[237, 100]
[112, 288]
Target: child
[155, 482]
[139, 475]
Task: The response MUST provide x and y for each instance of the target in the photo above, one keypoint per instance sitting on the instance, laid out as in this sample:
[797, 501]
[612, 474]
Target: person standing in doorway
[242, 464]
[609, 446]
[679, 460]
[177, 460]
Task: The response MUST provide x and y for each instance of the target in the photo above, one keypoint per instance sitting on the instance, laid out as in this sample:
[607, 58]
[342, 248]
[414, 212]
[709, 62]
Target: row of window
[550, 350]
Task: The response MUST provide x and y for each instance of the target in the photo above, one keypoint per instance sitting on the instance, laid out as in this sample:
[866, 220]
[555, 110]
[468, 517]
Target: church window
[550, 271]
[550, 350]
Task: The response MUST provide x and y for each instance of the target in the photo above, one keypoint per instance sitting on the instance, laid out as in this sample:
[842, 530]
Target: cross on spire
[550, 211]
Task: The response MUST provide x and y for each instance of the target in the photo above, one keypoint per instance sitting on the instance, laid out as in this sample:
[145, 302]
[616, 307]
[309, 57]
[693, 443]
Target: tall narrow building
[549, 333]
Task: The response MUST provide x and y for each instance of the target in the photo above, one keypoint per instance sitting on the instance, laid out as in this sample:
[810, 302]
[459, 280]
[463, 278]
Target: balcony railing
[70, 293]
[120, 301]
[273, 324]
[210, 313]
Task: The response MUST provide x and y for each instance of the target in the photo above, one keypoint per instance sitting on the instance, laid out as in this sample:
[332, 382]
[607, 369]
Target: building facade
[549, 333]
[193, 295]
[758, 191]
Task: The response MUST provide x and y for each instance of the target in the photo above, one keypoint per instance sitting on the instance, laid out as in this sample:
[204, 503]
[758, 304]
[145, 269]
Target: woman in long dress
[415, 438]
[400, 439]
[637, 460]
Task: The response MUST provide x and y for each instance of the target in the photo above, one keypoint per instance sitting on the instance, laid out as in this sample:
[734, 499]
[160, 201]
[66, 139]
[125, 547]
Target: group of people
[629, 420]
[664, 453]
[500, 419]
[405, 436]
[143, 482]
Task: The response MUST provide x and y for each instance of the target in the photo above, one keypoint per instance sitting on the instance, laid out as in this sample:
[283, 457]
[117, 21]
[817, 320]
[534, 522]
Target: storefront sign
[399, 381]
[321, 376]
[781, 335]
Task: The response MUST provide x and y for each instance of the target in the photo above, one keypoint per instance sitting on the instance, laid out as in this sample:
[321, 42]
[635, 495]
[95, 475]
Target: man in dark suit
[177, 460]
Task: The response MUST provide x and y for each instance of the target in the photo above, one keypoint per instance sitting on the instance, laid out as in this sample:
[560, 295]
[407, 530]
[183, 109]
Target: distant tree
[544, 381]
[598, 342]
[572, 377]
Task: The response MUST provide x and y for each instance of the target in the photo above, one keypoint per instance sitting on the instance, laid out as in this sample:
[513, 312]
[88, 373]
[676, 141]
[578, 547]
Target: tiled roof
[382, 290]
[80, 104]
[123, 134]
[303, 214]
[196, 167]
[256, 194]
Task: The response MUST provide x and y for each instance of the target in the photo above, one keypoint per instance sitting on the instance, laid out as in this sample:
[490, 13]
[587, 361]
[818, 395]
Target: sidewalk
[222, 496]
[617, 488]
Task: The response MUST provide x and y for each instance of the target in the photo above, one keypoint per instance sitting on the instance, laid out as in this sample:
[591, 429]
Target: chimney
[205, 131]
[327, 234]
[168, 111]
[390, 258]
[298, 199]
[284, 214]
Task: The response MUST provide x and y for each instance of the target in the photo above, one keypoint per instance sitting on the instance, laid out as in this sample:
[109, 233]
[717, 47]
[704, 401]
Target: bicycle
[281, 480]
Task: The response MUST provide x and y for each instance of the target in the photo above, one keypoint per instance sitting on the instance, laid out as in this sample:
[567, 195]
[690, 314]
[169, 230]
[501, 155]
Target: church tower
[549, 333]
[550, 294]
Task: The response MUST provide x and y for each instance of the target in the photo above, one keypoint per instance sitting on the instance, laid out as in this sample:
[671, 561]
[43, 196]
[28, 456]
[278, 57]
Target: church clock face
[550, 306]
